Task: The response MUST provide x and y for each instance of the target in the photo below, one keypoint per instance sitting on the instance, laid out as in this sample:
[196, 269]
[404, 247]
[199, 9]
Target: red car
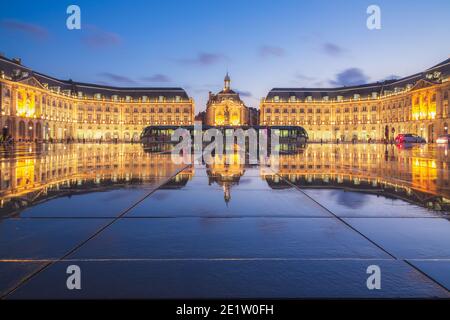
[409, 138]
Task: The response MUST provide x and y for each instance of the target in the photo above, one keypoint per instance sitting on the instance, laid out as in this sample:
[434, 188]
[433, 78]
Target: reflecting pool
[131, 218]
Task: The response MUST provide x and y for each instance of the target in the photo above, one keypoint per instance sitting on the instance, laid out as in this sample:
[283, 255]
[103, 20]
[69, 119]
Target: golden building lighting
[37, 107]
[417, 104]
[226, 108]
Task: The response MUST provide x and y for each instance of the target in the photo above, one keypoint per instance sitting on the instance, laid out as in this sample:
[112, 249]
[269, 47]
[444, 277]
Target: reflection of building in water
[226, 171]
[226, 108]
[38, 107]
[416, 104]
[76, 168]
[403, 173]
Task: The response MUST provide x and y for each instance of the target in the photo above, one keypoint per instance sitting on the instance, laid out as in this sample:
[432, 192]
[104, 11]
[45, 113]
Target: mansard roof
[364, 90]
[17, 72]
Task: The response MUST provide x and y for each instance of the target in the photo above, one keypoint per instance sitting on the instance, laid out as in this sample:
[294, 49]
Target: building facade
[226, 107]
[36, 107]
[417, 104]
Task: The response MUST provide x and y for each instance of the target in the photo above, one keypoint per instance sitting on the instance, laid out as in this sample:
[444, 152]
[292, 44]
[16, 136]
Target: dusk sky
[263, 44]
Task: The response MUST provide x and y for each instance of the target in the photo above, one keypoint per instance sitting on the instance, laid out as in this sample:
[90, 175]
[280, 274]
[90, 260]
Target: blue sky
[192, 43]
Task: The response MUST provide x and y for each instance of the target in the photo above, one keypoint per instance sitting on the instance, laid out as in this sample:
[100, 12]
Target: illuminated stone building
[417, 104]
[226, 108]
[37, 107]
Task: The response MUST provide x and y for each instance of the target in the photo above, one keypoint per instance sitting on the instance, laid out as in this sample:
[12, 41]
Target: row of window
[99, 118]
[356, 96]
[137, 110]
[311, 110]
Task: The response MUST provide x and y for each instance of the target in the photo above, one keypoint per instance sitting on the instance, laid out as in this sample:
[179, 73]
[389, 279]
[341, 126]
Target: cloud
[267, 51]
[391, 77]
[350, 77]
[36, 31]
[246, 94]
[300, 76]
[204, 59]
[158, 77]
[332, 49]
[116, 78]
[96, 38]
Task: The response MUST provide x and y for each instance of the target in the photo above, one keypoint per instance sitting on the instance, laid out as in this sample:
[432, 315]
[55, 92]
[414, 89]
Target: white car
[444, 139]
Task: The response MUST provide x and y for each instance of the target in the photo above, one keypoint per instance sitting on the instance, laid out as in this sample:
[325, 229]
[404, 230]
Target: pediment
[32, 81]
[422, 83]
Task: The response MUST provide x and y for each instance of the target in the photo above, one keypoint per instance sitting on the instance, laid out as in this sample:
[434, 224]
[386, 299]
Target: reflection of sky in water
[217, 231]
[358, 204]
[351, 200]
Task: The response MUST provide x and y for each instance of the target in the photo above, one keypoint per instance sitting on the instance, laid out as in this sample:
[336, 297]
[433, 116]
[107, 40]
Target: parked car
[444, 139]
[409, 138]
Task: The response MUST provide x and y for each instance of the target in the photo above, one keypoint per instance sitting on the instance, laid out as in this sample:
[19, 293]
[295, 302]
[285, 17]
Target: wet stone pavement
[139, 226]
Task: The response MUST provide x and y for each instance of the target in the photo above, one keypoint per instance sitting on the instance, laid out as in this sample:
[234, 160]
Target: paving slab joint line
[334, 215]
[360, 233]
[426, 275]
[44, 267]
